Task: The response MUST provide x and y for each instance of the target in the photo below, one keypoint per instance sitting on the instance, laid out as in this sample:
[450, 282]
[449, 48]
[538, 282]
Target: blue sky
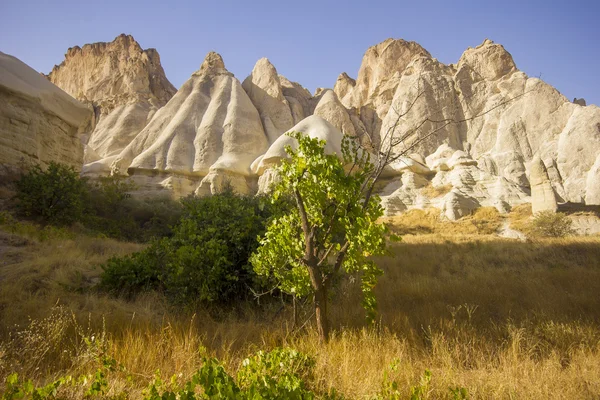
[312, 42]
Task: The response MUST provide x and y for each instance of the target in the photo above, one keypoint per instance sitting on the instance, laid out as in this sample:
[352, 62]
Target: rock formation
[381, 67]
[266, 92]
[332, 110]
[39, 122]
[298, 97]
[542, 193]
[497, 118]
[207, 134]
[467, 132]
[313, 126]
[125, 85]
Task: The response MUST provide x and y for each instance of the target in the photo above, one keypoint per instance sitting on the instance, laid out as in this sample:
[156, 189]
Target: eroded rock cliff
[39, 122]
[125, 85]
[469, 133]
[207, 134]
[497, 116]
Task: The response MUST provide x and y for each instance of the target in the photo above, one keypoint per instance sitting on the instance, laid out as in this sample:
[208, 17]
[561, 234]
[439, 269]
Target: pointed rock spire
[212, 62]
[265, 90]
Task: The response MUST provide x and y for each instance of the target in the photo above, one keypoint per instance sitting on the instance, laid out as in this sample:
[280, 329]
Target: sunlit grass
[502, 318]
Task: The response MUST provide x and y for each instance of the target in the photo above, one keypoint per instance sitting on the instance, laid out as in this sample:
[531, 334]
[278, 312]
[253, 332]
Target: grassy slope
[500, 317]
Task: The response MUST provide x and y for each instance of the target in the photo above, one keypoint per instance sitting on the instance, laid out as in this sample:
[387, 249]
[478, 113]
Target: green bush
[551, 224]
[55, 195]
[59, 196]
[205, 260]
[113, 212]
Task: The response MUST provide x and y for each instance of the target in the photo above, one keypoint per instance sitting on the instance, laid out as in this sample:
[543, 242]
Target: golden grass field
[503, 318]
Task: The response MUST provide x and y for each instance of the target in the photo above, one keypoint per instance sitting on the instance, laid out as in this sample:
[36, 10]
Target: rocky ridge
[484, 133]
[123, 83]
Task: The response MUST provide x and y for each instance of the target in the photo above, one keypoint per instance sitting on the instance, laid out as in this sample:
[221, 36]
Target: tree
[332, 229]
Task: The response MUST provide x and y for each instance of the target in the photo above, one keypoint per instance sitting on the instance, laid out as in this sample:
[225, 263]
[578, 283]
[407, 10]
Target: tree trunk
[316, 277]
[295, 309]
[321, 313]
[320, 299]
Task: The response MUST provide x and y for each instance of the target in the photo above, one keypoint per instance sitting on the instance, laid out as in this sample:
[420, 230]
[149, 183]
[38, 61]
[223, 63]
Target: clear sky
[312, 42]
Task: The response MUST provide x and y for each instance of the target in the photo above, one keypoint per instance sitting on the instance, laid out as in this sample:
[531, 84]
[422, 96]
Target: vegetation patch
[206, 258]
[58, 196]
[551, 224]
[483, 221]
[435, 191]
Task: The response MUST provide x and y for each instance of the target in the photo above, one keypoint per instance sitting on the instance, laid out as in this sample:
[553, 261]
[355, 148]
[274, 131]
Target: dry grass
[520, 218]
[502, 318]
[483, 221]
[435, 191]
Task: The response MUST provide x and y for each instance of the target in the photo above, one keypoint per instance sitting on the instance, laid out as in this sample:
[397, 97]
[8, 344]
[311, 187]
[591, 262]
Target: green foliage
[551, 224]
[341, 231]
[206, 259]
[279, 374]
[141, 271]
[54, 195]
[391, 389]
[58, 196]
[25, 389]
[459, 393]
[419, 391]
[112, 211]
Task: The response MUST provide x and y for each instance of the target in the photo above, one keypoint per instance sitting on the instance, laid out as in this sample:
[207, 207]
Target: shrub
[487, 220]
[58, 196]
[54, 195]
[551, 224]
[136, 272]
[113, 212]
[206, 259]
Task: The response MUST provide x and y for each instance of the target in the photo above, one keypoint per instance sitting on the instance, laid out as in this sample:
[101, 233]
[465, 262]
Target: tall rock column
[542, 193]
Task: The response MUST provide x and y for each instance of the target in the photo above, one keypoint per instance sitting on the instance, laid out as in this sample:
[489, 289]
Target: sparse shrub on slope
[551, 224]
[113, 212]
[58, 196]
[205, 260]
[53, 196]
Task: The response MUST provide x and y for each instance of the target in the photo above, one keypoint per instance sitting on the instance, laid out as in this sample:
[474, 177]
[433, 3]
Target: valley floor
[502, 318]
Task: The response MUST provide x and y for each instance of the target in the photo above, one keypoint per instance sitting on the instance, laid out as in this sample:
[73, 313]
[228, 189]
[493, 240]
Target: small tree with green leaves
[333, 228]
